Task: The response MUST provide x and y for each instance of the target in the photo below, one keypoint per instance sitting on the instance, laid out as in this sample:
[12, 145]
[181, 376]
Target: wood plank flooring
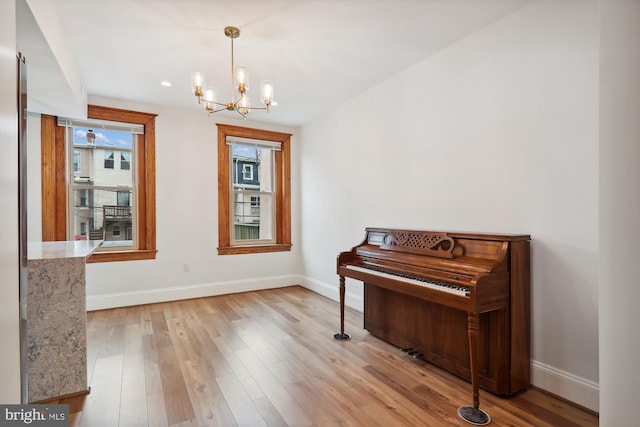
[268, 358]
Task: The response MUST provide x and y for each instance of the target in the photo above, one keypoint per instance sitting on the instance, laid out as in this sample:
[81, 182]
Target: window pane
[96, 157]
[252, 189]
[245, 158]
[102, 191]
[106, 219]
[252, 216]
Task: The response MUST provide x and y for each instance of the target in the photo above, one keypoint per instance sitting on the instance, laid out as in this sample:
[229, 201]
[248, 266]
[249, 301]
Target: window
[84, 198]
[120, 198]
[108, 159]
[247, 172]
[254, 195]
[124, 198]
[125, 160]
[110, 206]
[76, 161]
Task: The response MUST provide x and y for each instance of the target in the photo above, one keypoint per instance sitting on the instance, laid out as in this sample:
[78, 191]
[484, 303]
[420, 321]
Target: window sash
[84, 193]
[83, 187]
[266, 217]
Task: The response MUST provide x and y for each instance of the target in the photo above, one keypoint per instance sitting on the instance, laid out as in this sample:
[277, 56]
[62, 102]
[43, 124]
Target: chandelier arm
[210, 112]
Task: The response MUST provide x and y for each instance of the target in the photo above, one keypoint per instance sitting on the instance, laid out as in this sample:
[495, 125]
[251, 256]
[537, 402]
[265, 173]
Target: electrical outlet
[186, 267]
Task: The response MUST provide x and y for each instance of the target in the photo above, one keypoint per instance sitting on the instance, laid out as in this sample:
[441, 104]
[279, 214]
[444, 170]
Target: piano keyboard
[439, 286]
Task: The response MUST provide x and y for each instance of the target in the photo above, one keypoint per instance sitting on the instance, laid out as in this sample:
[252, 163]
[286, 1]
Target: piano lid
[452, 251]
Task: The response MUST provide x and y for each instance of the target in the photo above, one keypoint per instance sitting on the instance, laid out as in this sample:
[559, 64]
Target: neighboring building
[246, 191]
[102, 182]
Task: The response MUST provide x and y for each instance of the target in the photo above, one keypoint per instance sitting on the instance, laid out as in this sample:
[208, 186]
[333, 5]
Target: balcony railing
[247, 231]
[116, 212]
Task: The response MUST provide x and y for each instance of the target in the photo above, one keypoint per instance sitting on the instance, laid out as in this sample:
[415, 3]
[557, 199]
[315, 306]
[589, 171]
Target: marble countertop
[56, 250]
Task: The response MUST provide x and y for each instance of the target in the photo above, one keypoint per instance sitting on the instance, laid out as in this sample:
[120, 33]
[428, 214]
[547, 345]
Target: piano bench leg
[475, 416]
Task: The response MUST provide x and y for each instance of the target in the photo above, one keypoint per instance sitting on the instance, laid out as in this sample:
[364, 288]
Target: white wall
[187, 221]
[619, 213]
[497, 133]
[9, 251]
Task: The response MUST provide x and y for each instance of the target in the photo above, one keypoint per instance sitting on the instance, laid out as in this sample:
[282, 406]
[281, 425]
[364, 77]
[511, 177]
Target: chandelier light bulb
[244, 105]
[242, 78]
[266, 93]
[197, 83]
[209, 98]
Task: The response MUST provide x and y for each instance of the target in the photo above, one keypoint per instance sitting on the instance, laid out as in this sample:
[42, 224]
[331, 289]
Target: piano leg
[342, 336]
[473, 414]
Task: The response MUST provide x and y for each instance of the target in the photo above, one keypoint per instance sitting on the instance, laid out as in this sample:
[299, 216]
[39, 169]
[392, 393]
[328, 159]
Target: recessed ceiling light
[165, 83]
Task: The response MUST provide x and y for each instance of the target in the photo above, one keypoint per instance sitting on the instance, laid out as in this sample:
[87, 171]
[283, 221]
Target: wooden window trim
[283, 190]
[54, 189]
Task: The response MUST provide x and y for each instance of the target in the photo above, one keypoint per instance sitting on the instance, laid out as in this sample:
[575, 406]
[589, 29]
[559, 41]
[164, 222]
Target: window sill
[256, 249]
[122, 256]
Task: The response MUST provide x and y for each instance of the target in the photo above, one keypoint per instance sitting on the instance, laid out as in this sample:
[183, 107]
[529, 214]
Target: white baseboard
[564, 384]
[124, 299]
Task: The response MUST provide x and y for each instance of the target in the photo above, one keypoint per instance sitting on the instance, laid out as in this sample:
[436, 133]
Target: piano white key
[440, 286]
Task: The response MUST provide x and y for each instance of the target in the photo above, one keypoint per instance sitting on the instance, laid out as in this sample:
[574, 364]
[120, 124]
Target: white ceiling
[317, 52]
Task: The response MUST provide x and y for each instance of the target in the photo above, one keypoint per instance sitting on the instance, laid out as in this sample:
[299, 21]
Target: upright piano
[458, 300]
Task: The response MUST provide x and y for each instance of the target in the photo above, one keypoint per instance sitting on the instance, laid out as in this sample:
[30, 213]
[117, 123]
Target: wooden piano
[457, 300]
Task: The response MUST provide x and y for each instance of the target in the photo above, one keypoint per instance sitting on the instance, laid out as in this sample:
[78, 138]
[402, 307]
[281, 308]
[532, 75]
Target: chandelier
[240, 101]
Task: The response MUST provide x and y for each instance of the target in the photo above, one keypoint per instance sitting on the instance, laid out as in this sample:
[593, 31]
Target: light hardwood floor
[268, 358]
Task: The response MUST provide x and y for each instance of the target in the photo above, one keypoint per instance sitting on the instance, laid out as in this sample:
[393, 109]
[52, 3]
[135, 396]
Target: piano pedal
[413, 353]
